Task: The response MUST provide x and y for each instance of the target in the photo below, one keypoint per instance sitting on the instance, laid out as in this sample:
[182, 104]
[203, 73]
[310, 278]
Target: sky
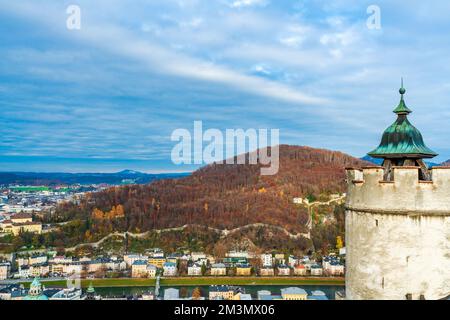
[108, 96]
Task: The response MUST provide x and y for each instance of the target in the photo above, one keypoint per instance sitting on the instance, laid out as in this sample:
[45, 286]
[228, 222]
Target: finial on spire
[402, 108]
[402, 90]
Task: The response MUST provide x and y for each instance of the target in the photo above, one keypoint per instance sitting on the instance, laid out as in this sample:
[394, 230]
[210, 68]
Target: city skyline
[108, 96]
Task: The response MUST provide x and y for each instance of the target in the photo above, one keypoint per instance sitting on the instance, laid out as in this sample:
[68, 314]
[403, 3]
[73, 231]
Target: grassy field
[202, 281]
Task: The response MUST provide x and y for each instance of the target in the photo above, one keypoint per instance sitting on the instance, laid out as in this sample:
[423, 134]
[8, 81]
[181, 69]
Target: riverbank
[201, 281]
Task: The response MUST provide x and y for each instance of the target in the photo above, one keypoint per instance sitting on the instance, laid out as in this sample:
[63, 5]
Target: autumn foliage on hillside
[219, 196]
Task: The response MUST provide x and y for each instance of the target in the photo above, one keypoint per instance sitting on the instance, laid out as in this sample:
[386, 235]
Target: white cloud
[248, 3]
[155, 57]
[292, 41]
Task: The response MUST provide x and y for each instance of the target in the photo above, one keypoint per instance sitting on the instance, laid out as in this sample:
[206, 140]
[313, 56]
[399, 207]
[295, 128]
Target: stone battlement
[406, 194]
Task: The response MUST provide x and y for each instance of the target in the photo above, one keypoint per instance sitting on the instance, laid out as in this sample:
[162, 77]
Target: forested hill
[220, 196]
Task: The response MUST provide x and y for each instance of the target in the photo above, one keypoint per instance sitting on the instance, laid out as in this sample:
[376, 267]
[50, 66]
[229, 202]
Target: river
[186, 291]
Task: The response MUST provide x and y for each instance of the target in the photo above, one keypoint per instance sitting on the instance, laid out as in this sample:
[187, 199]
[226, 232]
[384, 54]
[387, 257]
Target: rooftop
[293, 290]
[402, 139]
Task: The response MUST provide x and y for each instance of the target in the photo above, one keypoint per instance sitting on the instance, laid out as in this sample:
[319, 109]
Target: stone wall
[397, 234]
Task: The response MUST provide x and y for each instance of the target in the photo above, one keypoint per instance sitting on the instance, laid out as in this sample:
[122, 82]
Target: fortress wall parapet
[406, 194]
[397, 234]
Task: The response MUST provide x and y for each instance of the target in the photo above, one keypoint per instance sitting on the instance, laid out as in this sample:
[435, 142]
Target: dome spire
[402, 108]
[402, 144]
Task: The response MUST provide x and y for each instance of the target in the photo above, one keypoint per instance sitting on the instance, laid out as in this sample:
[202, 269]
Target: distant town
[190, 267]
[44, 273]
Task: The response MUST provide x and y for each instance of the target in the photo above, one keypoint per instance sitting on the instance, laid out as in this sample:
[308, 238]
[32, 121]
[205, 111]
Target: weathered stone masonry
[397, 234]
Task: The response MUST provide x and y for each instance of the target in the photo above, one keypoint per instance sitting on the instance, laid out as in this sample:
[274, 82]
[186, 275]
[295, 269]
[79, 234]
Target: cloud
[248, 3]
[139, 69]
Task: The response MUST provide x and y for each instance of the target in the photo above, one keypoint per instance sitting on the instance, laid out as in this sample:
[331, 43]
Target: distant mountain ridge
[222, 197]
[379, 162]
[55, 178]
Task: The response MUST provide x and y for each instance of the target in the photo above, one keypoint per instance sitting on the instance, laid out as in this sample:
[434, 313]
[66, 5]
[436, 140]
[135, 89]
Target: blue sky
[107, 97]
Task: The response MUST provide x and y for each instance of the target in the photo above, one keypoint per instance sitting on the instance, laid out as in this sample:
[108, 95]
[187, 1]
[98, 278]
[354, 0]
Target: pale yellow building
[21, 218]
[221, 293]
[294, 293]
[157, 261]
[4, 271]
[20, 222]
[139, 269]
[243, 270]
[33, 227]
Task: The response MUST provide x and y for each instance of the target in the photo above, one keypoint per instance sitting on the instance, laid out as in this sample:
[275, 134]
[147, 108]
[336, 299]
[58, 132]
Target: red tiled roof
[21, 215]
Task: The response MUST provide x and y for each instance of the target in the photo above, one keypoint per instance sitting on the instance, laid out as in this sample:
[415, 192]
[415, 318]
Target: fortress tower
[398, 220]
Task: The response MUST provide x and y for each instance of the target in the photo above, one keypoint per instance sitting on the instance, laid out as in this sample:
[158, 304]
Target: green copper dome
[402, 139]
[90, 289]
[35, 292]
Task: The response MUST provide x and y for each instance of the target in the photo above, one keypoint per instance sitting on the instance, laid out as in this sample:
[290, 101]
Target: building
[73, 268]
[61, 259]
[157, 261]
[151, 271]
[316, 270]
[20, 222]
[244, 270]
[13, 292]
[332, 266]
[21, 218]
[300, 270]
[335, 269]
[280, 258]
[171, 294]
[218, 269]
[16, 228]
[174, 257]
[234, 261]
[262, 294]
[22, 261]
[35, 292]
[196, 256]
[139, 269]
[284, 270]
[131, 258]
[267, 260]
[23, 272]
[242, 296]
[294, 293]
[170, 269]
[222, 292]
[67, 294]
[39, 270]
[265, 272]
[397, 220]
[37, 259]
[155, 253]
[317, 295]
[292, 261]
[95, 266]
[195, 270]
[238, 254]
[4, 270]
